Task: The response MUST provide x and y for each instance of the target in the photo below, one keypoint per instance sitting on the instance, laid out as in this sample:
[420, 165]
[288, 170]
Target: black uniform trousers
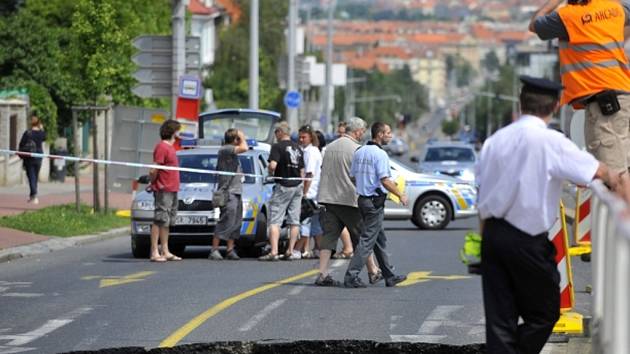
[520, 279]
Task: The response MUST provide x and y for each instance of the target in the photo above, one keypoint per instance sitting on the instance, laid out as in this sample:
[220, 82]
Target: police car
[197, 216]
[434, 201]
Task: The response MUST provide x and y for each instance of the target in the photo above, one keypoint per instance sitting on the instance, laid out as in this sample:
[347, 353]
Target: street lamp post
[253, 55]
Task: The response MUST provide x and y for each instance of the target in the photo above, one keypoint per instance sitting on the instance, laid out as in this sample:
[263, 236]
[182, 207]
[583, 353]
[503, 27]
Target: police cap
[540, 85]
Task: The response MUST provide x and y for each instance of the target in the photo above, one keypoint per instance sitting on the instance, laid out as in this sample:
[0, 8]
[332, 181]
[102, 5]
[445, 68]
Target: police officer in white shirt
[520, 172]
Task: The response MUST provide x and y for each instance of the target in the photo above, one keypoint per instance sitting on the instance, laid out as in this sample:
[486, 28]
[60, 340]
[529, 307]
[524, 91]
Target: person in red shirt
[165, 185]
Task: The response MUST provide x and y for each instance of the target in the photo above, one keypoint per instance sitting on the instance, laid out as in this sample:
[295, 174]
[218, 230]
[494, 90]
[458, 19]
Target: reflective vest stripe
[568, 68]
[588, 47]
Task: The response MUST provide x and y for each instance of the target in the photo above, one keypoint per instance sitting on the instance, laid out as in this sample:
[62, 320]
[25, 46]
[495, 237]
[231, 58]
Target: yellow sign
[158, 118]
[421, 277]
[400, 183]
[107, 281]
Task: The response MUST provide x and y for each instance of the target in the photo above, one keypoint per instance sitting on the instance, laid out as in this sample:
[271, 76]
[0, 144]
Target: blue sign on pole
[292, 99]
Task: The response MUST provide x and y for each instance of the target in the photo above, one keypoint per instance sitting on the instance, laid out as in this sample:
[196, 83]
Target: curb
[57, 243]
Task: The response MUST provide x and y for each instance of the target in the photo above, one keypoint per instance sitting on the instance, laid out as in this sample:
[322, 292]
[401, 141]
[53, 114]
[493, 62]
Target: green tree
[491, 62]
[450, 127]
[229, 76]
[499, 111]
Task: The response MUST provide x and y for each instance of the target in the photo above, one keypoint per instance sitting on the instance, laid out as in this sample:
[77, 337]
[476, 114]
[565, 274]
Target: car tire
[140, 248]
[432, 212]
[177, 249]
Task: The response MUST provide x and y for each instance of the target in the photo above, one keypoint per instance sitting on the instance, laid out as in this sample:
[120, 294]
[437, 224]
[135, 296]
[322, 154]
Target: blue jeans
[372, 239]
[32, 167]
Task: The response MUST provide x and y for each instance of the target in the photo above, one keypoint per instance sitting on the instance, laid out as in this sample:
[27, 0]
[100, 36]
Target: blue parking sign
[292, 99]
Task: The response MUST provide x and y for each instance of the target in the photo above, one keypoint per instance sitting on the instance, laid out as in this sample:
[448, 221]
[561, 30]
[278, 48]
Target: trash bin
[58, 167]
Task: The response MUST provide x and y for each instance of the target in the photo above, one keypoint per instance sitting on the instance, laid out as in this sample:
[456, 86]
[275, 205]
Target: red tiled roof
[232, 8]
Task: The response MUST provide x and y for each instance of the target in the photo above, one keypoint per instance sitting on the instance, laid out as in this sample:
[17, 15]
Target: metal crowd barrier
[611, 272]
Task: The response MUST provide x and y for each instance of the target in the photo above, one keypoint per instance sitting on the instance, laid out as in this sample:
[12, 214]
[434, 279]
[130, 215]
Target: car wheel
[177, 249]
[140, 248]
[432, 212]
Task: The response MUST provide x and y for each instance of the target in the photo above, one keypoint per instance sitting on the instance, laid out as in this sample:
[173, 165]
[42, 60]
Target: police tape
[142, 165]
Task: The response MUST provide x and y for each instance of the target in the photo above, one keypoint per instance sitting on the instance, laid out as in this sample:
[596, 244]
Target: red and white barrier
[559, 237]
[582, 232]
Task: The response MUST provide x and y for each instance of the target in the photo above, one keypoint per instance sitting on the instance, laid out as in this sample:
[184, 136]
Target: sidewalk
[13, 201]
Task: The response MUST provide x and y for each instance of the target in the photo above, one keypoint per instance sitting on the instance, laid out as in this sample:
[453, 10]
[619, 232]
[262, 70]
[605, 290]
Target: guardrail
[611, 272]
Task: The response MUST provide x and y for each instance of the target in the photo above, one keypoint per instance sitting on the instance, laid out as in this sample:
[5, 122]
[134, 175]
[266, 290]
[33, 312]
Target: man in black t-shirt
[286, 160]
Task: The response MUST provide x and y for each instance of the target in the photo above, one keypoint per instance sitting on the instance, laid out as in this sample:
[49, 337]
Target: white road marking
[13, 350]
[17, 340]
[338, 263]
[261, 315]
[297, 290]
[22, 295]
[418, 338]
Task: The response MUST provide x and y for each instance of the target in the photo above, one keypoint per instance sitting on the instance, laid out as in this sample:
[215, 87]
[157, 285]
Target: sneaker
[231, 255]
[308, 255]
[375, 277]
[269, 258]
[389, 282]
[354, 283]
[292, 257]
[215, 255]
[325, 280]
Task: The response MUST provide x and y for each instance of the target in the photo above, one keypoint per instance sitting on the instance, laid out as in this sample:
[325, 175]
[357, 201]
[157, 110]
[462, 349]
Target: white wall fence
[611, 271]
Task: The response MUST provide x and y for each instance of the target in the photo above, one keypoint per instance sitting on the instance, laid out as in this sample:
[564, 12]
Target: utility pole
[328, 90]
[179, 48]
[291, 86]
[253, 55]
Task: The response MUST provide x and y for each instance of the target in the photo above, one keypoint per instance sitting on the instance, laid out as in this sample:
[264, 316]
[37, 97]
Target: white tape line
[141, 165]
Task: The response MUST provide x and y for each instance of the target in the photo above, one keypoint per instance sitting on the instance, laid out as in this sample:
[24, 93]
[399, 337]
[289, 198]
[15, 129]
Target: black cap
[541, 85]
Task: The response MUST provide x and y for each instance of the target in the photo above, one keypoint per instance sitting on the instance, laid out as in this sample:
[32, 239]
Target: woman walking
[32, 141]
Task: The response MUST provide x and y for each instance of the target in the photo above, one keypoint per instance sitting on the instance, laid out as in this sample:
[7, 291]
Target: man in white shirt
[520, 171]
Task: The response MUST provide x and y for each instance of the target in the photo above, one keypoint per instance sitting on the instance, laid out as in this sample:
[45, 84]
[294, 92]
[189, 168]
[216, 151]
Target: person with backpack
[32, 141]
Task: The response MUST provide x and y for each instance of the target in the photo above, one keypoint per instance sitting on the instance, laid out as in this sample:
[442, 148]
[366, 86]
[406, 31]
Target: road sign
[155, 64]
[292, 99]
[190, 87]
[152, 90]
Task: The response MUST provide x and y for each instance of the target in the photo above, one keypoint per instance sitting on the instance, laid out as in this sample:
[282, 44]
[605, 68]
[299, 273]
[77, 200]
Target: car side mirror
[415, 159]
[144, 179]
[269, 180]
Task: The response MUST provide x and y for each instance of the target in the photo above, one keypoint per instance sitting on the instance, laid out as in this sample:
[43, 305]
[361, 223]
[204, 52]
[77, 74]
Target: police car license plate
[191, 220]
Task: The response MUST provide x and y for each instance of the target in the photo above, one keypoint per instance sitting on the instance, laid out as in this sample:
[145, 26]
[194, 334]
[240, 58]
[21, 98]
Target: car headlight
[143, 228]
[467, 175]
[143, 205]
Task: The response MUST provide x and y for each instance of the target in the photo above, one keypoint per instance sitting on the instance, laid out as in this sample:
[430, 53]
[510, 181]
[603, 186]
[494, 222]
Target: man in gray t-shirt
[228, 228]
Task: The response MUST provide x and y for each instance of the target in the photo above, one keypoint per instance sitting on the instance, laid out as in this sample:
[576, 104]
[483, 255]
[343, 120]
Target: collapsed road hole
[301, 347]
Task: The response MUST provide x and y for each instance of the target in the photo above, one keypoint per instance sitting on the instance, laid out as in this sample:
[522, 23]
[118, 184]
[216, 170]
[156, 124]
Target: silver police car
[196, 216]
[433, 200]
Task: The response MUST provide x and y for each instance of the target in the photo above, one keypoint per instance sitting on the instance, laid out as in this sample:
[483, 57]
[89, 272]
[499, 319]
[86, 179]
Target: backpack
[27, 144]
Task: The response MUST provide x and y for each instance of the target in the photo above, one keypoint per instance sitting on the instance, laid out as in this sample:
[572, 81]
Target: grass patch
[64, 221]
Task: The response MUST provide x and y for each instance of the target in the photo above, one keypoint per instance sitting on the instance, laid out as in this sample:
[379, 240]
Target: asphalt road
[99, 296]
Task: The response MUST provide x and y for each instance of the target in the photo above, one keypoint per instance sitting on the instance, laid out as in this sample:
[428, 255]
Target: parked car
[196, 215]
[433, 200]
[454, 159]
[396, 147]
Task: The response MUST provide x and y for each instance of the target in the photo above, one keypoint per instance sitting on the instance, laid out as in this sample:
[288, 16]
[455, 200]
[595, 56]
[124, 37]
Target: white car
[433, 200]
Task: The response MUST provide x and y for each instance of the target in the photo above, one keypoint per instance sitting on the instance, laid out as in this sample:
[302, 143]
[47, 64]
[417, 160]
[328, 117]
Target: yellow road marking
[185, 330]
[107, 281]
[421, 277]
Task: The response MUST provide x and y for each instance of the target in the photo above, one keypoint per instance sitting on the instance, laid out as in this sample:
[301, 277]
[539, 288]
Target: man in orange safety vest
[594, 70]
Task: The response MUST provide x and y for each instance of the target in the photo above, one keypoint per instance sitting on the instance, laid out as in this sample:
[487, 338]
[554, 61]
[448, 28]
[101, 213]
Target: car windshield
[209, 162]
[459, 154]
[254, 125]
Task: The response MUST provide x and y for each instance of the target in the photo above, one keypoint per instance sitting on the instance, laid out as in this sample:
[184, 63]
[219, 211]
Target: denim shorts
[311, 226]
[286, 201]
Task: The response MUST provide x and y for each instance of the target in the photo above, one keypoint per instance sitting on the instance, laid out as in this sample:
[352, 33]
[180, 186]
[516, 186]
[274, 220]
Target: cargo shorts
[165, 208]
[608, 137]
[286, 201]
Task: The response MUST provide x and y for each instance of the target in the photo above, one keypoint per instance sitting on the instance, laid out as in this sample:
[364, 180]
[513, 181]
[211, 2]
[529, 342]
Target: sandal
[159, 259]
[342, 255]
[173, 258]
